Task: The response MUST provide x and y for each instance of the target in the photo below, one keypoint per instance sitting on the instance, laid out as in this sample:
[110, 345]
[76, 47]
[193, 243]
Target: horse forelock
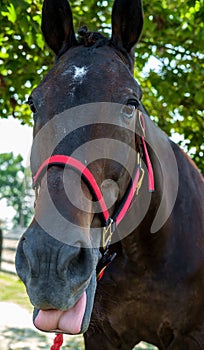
[95, 40]
[91, 38]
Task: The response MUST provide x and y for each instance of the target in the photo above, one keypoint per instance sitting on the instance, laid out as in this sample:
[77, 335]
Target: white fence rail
[10, 242]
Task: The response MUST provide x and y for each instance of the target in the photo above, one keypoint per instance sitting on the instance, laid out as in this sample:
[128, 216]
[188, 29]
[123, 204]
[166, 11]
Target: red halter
[110, 222]
[63, 161]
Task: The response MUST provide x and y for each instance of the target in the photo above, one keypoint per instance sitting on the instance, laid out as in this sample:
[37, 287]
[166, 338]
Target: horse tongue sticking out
[69, 321]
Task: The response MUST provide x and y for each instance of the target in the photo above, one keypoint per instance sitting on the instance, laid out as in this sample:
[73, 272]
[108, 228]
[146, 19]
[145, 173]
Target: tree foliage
[14, 187]
[172, 37]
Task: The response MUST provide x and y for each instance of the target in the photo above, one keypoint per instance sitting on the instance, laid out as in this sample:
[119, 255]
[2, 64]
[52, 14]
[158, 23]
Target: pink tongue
[69, 321]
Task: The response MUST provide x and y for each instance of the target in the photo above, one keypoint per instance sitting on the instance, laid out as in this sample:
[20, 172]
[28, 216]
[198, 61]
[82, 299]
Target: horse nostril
[66, 255]
[73, 261]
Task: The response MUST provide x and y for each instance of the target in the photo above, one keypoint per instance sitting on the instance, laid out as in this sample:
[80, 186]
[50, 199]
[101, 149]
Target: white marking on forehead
[77, 76]
[79, 72]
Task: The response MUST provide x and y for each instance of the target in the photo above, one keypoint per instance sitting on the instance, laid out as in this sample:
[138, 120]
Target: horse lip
[90, 294]
[67, 321]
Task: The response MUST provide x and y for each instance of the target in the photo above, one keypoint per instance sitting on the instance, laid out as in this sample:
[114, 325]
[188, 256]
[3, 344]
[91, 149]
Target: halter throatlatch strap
[148, 162]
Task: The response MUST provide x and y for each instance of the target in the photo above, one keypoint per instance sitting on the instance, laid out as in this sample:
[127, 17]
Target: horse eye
[128, 110]
[31, 105]
[133, 102]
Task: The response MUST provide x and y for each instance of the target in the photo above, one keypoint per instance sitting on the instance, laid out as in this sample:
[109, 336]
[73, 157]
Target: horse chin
[74, 320]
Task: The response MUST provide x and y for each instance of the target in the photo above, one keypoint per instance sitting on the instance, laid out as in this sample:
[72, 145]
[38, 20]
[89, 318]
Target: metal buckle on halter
[107, 234]
[139, 162]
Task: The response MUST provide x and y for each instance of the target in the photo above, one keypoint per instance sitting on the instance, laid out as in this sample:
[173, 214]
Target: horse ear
[127, 23]
[57, 25]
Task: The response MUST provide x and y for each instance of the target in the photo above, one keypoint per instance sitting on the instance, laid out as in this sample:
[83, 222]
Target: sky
[15, 138]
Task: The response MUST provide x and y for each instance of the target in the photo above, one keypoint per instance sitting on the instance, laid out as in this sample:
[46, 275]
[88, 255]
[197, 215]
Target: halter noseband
[110, 222]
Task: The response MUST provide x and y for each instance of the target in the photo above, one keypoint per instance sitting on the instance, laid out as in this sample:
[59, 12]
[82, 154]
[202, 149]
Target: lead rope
[57, 342]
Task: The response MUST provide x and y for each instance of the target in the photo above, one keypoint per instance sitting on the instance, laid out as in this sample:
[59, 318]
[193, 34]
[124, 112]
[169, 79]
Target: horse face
[78, 103]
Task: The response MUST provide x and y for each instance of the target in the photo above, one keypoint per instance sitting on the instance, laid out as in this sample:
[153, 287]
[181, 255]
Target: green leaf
[10, 14]
[199, 98]
[40, 41]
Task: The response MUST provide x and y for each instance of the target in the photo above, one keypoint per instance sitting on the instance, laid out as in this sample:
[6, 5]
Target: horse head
[87, 98]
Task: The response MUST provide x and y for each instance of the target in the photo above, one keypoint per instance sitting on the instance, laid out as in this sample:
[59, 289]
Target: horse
[115, 250]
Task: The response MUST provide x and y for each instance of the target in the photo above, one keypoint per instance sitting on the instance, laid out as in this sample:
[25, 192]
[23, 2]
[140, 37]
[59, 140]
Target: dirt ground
[18, 333]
